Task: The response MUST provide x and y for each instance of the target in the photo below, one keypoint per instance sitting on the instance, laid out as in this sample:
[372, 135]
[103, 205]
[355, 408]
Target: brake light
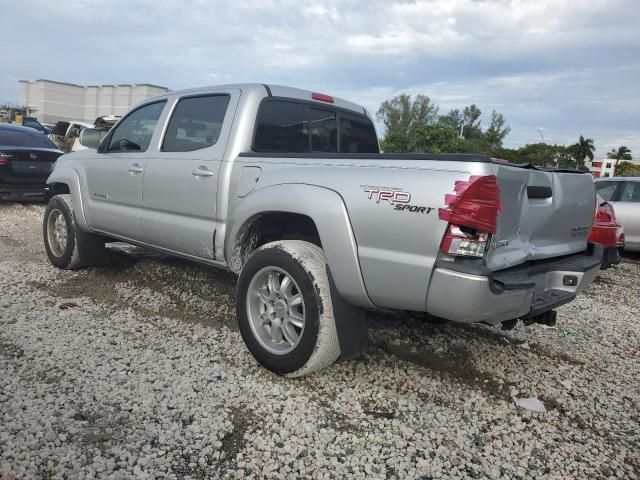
[605, 214]
[3, 160]
[472, 213]
[476, 204]
[322, 97]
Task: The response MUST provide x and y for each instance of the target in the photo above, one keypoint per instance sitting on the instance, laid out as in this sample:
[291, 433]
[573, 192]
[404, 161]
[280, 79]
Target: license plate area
[31, 167]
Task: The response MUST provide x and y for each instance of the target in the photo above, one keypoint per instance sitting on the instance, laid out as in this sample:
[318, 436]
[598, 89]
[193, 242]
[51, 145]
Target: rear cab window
[324, 130]
[357, 135]
[297, 126]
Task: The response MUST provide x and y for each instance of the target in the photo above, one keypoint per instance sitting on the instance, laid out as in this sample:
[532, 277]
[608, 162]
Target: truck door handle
[202, 172]
[135, 169]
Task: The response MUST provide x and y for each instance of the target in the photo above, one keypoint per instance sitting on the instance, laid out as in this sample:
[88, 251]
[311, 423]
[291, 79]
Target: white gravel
[148, 378]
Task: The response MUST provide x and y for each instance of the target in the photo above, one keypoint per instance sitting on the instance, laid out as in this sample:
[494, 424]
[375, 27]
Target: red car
[608, 232]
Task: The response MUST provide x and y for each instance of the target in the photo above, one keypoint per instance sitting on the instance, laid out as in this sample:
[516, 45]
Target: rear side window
[24, 138]
[283, 127]
[134, 132]
[298, 127]
[631, 192]
[357, 135]
[606, 190]
[196, 123]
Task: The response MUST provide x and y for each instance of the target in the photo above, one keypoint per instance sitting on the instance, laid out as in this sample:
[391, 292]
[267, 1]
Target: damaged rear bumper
[524, 291]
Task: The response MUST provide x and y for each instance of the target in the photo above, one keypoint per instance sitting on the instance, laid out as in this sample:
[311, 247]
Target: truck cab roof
[274, 91]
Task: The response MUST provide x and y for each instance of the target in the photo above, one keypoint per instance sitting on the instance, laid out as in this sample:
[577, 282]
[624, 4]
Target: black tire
[318, 345]
[82, 249]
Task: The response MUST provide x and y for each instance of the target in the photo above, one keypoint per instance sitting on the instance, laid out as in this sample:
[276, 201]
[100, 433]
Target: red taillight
[605, 214]
[472, 213]
[476, 204]
[322, 97]
[3, 160]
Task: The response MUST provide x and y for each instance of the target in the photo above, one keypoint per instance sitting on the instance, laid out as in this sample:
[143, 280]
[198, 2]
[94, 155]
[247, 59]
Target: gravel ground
[147, 377]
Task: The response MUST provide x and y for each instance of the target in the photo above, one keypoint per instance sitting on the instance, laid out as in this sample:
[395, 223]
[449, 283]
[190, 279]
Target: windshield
[24, 138]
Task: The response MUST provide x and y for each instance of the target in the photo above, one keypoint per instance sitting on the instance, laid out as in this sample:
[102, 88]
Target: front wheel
[284, 308]
[68, 246]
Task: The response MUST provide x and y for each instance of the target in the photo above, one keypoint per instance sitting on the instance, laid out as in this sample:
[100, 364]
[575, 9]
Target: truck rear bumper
[523, 291]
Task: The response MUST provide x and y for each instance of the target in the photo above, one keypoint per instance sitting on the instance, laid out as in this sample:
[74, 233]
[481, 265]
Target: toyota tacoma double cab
[287, 188]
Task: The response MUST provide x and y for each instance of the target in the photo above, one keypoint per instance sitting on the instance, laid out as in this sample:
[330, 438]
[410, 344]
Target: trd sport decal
[396, 197]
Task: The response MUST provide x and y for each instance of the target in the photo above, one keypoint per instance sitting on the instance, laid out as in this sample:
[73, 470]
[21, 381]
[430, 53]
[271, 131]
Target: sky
[555, 69]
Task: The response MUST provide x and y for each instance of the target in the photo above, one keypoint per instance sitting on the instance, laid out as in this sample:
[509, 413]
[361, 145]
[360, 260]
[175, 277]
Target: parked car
[287, 189]
[91, 137]
[608, 232]
[26, 159]
[71, 136]
[35, 124]
[624, 194]
[65, 134]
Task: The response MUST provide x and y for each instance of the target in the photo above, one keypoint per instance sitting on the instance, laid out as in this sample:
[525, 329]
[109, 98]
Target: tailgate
[546, 214]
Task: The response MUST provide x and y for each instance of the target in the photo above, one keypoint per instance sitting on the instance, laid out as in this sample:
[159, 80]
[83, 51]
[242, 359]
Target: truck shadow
[479, 356]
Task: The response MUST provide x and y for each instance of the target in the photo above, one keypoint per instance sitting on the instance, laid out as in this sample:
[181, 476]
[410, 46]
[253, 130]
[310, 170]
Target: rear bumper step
[524, 276]
[548, 300]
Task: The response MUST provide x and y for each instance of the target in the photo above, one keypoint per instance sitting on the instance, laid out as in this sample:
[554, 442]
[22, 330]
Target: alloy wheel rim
[57, 233]
[276, 310]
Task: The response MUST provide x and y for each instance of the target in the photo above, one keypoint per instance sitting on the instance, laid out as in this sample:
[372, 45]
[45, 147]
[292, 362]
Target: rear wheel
[284, 308]
[68, 246]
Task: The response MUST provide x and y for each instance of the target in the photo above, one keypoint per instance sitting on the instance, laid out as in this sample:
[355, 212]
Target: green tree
[435, 139]
[497, 131]
[413, 125]
[627, 169]
[401, 114]
[423, 139]
[396, 142]
[471, 119]
[622, 153]
[582, 150]
[539, 154]
[453, 119]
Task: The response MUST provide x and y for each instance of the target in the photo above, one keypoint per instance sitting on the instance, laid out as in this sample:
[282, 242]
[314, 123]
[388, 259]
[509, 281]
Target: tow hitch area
[543, 305]
[547, 318]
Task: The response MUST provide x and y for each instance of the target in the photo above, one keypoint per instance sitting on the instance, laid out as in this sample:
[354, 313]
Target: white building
[602, 168]
[67, 101]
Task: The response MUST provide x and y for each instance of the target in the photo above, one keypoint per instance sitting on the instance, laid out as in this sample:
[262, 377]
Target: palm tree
[623, 153]
[582, 150]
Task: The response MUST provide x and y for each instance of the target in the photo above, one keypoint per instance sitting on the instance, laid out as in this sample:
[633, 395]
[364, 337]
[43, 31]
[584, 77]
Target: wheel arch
[319, 211]
[65, 180]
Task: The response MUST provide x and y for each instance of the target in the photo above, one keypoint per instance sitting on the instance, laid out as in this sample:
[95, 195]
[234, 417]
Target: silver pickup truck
[287, 189]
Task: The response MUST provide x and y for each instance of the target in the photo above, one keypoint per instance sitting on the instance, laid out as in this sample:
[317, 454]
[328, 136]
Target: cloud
[570, 66]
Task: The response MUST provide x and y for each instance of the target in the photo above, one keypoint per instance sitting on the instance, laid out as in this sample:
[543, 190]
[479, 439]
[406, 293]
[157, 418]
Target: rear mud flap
[351, 324]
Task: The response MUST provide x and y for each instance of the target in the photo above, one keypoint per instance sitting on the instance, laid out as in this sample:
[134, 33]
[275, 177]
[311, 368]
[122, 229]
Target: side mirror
[90, 138]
